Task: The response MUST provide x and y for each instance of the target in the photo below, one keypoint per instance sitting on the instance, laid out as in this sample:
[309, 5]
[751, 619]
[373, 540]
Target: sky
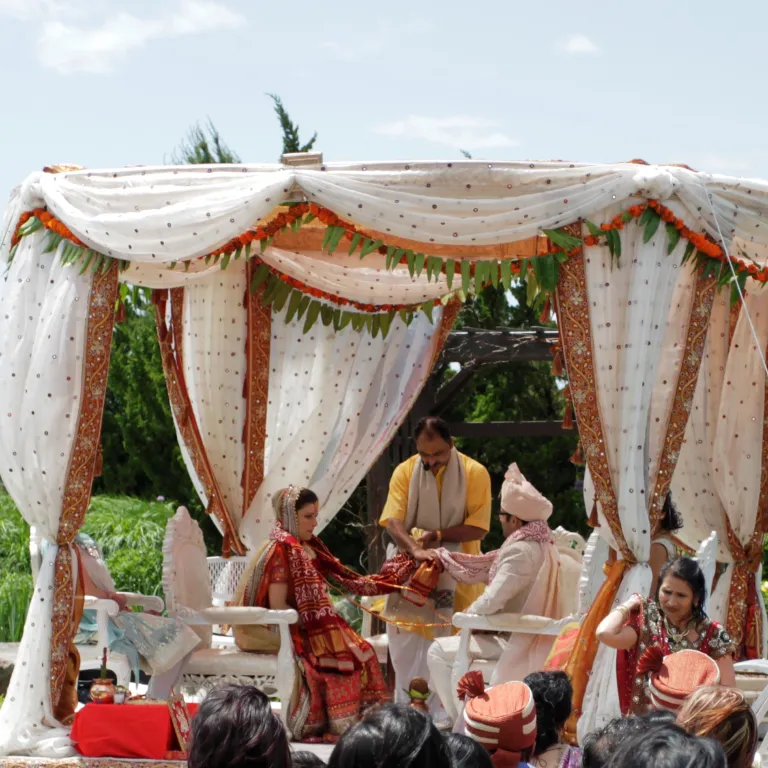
[108, 83]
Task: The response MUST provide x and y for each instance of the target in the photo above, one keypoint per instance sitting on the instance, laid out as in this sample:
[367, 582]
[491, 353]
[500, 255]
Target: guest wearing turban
[523, 576]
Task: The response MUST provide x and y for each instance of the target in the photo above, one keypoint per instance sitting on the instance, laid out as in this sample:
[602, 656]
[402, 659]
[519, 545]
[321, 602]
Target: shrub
[15, 593]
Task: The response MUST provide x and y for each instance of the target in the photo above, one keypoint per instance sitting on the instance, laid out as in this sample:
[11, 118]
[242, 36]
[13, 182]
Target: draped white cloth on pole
[42, 347]
[170, 214]
[336, 400]
[633, 318]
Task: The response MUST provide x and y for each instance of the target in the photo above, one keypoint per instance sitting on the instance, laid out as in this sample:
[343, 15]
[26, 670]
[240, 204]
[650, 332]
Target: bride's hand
[422, 555]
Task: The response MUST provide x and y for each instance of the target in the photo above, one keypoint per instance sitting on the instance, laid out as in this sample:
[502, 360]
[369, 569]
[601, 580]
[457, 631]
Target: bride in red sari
[338, 673]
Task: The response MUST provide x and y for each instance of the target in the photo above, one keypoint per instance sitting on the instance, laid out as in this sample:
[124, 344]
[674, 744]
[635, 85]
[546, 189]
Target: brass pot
[102, 691]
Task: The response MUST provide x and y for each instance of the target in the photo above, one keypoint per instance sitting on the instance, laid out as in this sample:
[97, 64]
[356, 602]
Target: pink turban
[521, 499]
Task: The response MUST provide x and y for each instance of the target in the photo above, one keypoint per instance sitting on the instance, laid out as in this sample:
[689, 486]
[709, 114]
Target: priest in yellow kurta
[437, 498]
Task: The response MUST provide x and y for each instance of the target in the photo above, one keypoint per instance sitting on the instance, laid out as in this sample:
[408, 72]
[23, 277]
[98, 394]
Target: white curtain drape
[638, 317]
[42, 338]
[170, 214]
[336, 400]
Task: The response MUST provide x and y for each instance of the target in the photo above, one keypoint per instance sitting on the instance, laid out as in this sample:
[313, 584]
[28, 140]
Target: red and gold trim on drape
[447, 319]
[171, 346]
[572, 307]
[82, 465]
[688, 375]
[256, 389]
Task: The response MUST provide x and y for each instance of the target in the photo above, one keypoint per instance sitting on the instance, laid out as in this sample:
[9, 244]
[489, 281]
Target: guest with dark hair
[668, 746]
[466, 752]
[391, 736]
[674, 621]
[663, 548]
[552, 693]
[659, 717]
[722, 714]
[305, 759]
[235, 727]
[600, 745]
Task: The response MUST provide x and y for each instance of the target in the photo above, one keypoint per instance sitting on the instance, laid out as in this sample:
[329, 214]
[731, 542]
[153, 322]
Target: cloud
[348, 52]
[456, 131]
[579, 44]
[715, 163]
[69, 48]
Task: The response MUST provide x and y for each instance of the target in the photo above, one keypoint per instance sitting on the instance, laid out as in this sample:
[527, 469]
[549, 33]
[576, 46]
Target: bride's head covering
[521, 499]
[284, 507]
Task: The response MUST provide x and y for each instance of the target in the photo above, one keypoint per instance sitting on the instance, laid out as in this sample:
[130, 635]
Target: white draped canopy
[259, 402]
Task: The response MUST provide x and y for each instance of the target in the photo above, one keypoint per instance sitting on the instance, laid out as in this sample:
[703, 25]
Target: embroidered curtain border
[171, 341]
[257, 349]
[82, 465]
[688, 375]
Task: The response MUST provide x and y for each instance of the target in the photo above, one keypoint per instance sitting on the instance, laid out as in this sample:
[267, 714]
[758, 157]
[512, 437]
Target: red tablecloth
[125, 730]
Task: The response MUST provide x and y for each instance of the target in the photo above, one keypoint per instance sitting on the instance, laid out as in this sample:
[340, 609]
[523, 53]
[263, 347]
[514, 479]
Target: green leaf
[466, 275]
[494, 268]
[560, 257]
[594, 230]
[532, 287]
[270, 291]
[524, 264]
[399, 253]
[303, 305]
[538, 269]
[53, 242]
[356, 238]
[333, 243]
[434, 267]
[238, 253]
[418, 263]
[562, 240]
[187, 265]
[312, 312]
[645, 217]
[428, 310]
[259, 276]
[282, 293]
[358, 321]
[247, 251]
[450, 268]
[327, 237]
[385, 321]
[391, 251]
[626, 217]
[296, 225]
[86, 260]
[264, 243]
[651, 226]
[711, 265]
[506, 274]
[309, 217]
[346, 317]
[404, 316]
[689, 249]
[614, 244]
[207, 259]
[548, 273]
[106, 265]
[368, 323]
[673, 235]
[482, 273]
[369, 246]
[326, 314]
[375, 324]
[293, 305]
[411, 257]
[225, 260]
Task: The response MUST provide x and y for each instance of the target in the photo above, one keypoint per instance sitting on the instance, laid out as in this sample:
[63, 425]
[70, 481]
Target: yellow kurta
[478, 511]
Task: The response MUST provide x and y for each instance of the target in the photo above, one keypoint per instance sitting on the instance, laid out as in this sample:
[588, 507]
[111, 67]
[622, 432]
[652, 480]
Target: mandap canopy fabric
[300, 311]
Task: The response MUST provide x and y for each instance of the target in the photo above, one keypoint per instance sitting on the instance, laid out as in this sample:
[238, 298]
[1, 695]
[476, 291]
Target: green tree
[203, 146]
[291, 140]
[519, 391]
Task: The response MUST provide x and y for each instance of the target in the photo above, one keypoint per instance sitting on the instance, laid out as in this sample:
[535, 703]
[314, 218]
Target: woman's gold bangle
[623, 610]
[439, 536]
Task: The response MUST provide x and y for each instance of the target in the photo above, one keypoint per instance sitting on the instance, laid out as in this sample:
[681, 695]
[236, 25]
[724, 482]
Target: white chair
[571, 547]
[189, 597]
[224, 574]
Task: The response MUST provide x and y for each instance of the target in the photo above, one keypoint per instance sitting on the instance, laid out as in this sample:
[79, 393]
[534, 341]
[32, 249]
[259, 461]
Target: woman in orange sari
[338, 673]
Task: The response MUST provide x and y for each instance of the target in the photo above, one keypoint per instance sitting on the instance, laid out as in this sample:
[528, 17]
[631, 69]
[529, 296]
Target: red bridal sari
[339, 674]
[652, 632]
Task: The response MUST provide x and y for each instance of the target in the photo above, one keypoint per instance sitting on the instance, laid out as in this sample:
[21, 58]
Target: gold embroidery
[82, 464]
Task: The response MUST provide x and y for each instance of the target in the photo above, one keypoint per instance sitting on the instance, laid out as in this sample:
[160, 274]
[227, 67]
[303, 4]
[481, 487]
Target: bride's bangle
[623, 610]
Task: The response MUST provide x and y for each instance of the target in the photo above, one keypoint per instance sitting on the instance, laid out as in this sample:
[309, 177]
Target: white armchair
[189, 597]
[571, 547]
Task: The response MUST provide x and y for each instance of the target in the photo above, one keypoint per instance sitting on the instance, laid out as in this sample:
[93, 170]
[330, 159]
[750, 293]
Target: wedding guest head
[552, 693]
[722, 714]
[466, 752]
[235, 727]
[391, 736]
[659, 717]
[433, 442]
[601, 744]
[304, 759]
[668, 746]
[688, 598]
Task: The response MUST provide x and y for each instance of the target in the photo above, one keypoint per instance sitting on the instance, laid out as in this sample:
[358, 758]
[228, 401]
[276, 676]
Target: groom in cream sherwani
[437, 498]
